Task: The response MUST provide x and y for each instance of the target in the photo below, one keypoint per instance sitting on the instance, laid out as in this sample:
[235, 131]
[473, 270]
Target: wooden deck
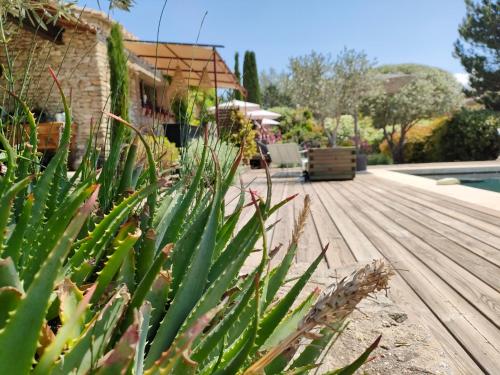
[446, 253]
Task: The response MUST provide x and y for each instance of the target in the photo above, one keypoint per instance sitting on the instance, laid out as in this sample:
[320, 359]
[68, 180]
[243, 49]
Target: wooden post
[216, 98]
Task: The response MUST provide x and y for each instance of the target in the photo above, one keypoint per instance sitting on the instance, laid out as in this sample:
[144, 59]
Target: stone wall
[81, 65]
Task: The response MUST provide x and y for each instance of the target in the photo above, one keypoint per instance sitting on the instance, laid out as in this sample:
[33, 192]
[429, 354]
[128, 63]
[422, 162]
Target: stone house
[77, 51]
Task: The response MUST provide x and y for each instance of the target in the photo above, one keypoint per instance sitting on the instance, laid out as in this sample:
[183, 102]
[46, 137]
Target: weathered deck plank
[453, 235]
[381, 245]
[446, 253]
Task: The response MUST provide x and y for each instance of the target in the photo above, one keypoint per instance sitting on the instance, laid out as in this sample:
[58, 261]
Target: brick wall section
[83, 69]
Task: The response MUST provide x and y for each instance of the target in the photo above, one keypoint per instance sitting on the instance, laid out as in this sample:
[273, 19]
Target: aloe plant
[141, 278]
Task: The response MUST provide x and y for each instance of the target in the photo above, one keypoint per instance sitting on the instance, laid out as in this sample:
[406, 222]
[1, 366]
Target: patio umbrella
[237, 104]
[269, 122]
[261, 114]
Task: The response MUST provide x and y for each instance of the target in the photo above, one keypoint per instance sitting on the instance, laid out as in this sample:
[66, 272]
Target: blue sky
[391, 31]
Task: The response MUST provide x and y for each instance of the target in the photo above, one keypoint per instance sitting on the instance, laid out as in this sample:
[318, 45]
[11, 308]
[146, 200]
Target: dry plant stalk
[334, 304]
[300, 222]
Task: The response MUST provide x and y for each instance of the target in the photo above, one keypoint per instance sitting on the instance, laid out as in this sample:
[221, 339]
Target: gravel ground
[406, 347]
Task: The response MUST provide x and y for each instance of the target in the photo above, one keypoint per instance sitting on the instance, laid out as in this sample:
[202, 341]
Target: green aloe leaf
[53, 230]
[9, 300]
[118, 360]
[121, 248]
[128, 169]
[193, 284]
[290, 323]
[146, 253]
[217, 334]
[228, 229]
[274, 316]
[5, 207]
[180, 211]
[185, 248]
[70, 297]
[14, 243]
[146, 283]
[236, 355]
[176, 356]
[90, 347]
[70, 330]
[94, 245]
[144, 318]
[157, 296]
[19, 337]
[8, 274]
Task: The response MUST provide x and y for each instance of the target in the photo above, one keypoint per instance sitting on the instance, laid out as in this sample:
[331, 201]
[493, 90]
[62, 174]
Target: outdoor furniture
[49, 135]
[338, 163]
[180, 134]
[286, 154]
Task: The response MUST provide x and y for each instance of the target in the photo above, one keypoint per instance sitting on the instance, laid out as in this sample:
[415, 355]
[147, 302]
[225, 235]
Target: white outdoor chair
[287, 154]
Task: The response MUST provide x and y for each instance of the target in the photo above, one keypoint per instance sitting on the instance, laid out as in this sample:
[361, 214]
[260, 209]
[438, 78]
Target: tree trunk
[356, 131]
[334, 133]
[398, 154]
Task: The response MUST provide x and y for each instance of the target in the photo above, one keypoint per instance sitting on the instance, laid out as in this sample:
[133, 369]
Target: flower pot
[361, 162]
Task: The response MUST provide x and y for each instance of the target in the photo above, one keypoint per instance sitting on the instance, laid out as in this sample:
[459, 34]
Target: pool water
[492, 184]
[479, 179]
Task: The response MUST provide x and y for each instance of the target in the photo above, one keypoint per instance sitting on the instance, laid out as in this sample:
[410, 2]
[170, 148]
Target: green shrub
[468, 135]
[420, 145]
[378, 159]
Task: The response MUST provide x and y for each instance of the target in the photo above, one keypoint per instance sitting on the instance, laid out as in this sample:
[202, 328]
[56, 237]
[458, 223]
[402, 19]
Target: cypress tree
[477, 48]
[237, 93]
[119, 80]
[251, 78]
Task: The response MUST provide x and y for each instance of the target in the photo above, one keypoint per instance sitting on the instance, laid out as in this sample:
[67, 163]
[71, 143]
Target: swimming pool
[480, 178]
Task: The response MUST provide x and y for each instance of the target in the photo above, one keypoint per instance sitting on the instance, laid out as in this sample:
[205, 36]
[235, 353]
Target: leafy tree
[425, 95]
[298, 125]
[353, 80]
[479, 50]
[275, 89]
[311, 86]
[331, 88]
[251, 78]
[237, 93]
[272, 96]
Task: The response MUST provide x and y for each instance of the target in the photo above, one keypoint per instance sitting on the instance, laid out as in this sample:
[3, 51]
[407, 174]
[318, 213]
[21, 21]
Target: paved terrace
[445, 249]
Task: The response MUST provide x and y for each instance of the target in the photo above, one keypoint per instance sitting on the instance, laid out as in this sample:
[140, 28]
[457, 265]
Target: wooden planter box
[337, 163]
[49, 134]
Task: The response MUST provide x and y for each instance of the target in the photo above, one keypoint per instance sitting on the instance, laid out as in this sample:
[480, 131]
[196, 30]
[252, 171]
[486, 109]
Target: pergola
[200, 64]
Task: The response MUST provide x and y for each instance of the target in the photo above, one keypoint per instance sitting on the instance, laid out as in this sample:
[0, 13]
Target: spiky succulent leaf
[19, 337]
[179, 212]
[144, 317]
[274, 316]
[53, 230]
[119, 360]
[6, 200]
[120, 250]
[70, 330]
[290, 322]
[91, 345]
[94, 245]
